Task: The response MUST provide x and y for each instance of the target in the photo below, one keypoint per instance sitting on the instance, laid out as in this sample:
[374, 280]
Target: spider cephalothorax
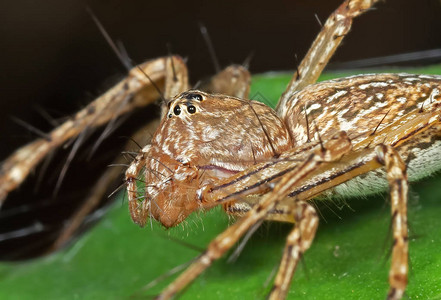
[201, 139]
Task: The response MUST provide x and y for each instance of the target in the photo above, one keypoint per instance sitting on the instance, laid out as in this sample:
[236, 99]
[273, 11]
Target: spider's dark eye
[191, 109]
[197, 97]
[194, 96]
[177, 110]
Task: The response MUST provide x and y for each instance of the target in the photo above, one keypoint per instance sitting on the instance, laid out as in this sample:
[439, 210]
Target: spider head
[201, 139]
[204, 129]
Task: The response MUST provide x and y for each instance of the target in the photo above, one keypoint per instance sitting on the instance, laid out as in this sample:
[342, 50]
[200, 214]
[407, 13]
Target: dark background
[53, 57]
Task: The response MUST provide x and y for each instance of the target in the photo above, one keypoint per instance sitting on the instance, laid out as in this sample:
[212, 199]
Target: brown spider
[213, 149]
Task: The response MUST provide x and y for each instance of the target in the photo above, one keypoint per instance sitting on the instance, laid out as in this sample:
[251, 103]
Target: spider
[277, 162]
[221, 150]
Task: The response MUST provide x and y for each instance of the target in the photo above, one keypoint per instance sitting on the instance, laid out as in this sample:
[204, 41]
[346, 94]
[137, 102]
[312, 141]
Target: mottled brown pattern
[364, 101]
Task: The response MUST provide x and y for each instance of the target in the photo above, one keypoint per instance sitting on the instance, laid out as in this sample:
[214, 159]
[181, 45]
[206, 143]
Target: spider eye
[197, 97]
[191, 109]
[177, 110]
[194, 96]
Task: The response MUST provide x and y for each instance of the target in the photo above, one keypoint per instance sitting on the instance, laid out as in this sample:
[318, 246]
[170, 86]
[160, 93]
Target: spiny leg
[298, 241]
[306, 222]
[331, 151]
[134, 91]
[234, 80]
[175, 80]
[397, 178]
[281, 213]
[334, 30]
[139, 214]
[103, 188]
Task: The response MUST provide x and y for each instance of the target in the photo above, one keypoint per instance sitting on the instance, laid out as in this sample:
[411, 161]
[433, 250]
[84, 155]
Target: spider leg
[298, 241]
[138, 210]
[237, 209]
[326, 43]
[333, 150]
[134, 91]
[176, 80]
[234, 80]
[397, 178]
[306, 222]
[104, 187]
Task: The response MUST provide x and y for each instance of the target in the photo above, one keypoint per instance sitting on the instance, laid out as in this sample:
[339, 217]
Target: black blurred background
[54, 58]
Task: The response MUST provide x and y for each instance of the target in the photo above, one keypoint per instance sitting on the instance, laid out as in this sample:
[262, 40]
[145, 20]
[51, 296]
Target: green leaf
[349, 258]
